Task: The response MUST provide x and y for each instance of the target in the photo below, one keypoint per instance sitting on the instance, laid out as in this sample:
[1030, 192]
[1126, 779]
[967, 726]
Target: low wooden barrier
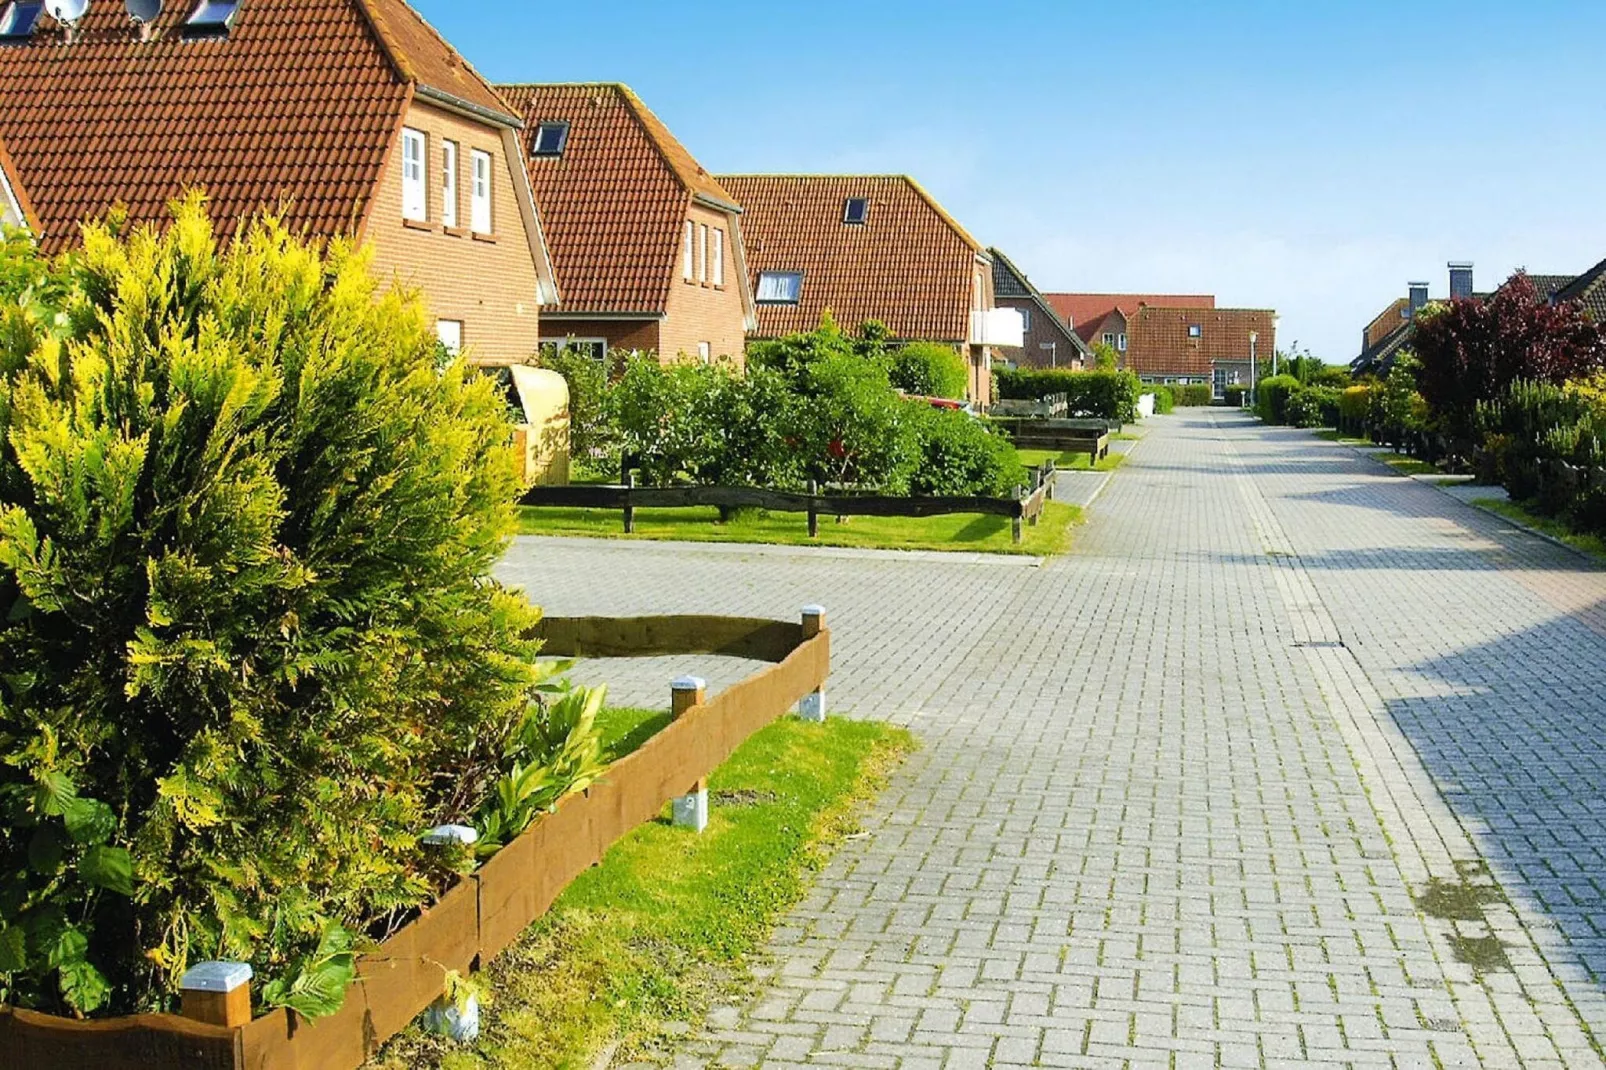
[1089, 436]
[1026, 506]
[485, 912]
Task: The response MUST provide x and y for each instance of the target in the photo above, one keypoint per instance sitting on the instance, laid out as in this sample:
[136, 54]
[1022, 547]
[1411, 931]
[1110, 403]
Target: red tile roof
[298, 106]
[1158, 342]
[1078, 308]
[612, 206]
[911, 266]
[1387, 321]
[8, 176]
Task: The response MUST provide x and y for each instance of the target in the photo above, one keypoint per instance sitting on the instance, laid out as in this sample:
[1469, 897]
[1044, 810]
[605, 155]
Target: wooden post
[1020, 508]
[691, 809]
[812, 707]
[217, 993]
[630, 510]
[814, 514]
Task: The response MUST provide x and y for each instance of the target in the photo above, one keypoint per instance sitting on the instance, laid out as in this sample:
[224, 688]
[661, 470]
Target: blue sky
[1309, 157]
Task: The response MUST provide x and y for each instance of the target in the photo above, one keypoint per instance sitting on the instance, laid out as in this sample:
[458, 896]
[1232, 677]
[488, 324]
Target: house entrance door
[1220, 384]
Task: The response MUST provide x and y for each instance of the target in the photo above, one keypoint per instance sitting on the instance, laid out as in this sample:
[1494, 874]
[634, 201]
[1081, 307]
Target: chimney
[1419, 298]
[1460, 279]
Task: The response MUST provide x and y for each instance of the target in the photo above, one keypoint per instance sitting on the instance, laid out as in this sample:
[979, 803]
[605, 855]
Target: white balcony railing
[997, 327]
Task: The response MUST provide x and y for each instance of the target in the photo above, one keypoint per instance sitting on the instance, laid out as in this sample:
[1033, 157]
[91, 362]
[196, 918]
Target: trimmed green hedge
[1108, 395]
[1164, 399]
[1193, 394]
[1272, 395]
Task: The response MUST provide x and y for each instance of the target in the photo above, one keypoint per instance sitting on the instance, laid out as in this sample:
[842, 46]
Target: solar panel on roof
[17, 22]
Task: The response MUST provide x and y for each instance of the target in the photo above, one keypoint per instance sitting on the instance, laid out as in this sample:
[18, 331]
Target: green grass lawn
[1338, 436]
[1593, 545]
[1408, 466]
[958, 532]
[1077, 462]
[642, 945]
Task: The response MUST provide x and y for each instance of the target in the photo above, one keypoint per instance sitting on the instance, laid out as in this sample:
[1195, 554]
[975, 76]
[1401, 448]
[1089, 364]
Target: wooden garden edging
[485, 912]
[626, 497]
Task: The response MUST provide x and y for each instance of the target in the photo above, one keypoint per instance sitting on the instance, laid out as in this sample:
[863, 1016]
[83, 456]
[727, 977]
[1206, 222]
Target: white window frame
[450, 334]
[719, 256]
[1025, 318]
[481, 214]
[702, 252]
[705, 352]
[415, 187]
[1120, 342]
[595, 348]
[796, 288]
[689, 268]
[1109, 338]
[448, 183]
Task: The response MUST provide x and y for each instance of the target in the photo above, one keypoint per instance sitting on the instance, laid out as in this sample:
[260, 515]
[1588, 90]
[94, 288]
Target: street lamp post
[1254, 380]
[1053, 353]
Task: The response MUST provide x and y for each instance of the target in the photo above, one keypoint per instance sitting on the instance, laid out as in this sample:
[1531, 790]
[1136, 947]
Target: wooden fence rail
[1026, 506]
[485, 912]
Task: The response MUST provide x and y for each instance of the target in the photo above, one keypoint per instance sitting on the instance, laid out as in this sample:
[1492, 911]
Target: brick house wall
[488, 283]
[1040, 331]
[639, 335]
[698, 312]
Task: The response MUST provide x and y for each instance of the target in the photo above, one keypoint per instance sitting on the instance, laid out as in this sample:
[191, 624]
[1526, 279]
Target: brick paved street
[1291, 761]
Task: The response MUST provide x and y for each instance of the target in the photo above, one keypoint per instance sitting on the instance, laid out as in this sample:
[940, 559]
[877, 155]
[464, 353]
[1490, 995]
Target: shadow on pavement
[1514, 738]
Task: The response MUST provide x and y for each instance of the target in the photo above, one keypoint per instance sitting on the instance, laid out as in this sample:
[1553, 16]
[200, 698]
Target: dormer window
[211, 18]
[856, 211]
[550, 139]
[16, 22]
[779, 288]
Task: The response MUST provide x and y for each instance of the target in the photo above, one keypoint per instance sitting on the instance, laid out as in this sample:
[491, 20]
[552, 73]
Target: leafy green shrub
[1194, 394]
[253, 649]
[1271, 398]
[929, 369]
[593, 435]
[960, 455]
[793, 354]
[1312, 406]
[1235, 395]
[853, 428]
[1108, 395]
[1164, 400]
[1353, 402]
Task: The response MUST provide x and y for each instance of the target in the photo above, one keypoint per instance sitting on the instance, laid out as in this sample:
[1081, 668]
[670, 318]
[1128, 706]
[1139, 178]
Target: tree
[1105, 358]
[252, 642]
[929, 369]
[1472, 350]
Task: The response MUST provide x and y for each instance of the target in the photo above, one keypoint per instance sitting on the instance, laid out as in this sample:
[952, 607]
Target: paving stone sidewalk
[1291, 761]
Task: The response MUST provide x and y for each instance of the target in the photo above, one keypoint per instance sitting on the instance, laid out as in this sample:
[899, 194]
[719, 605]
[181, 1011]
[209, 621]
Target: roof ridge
[663, 139]
[401, 62]
[382, 37]
[886, 175]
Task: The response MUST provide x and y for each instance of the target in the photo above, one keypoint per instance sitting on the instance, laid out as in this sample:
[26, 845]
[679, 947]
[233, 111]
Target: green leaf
[83, 986]
[316, 987]
[54, 793]
[61, 943]
[13, 949]
[111, 868]
[90, 821]
[45, 850]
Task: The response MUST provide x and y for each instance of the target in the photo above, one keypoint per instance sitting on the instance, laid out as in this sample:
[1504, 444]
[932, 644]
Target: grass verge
[1338, 436]
[1078, 462]
[641, 946]
[1593, 545]
[957, 532]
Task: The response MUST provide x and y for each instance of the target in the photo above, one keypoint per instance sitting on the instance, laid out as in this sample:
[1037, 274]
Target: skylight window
[211, 18]
[856, 211]
[779, 288]
[1193, 330]
[550, 139]
[16, 22]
